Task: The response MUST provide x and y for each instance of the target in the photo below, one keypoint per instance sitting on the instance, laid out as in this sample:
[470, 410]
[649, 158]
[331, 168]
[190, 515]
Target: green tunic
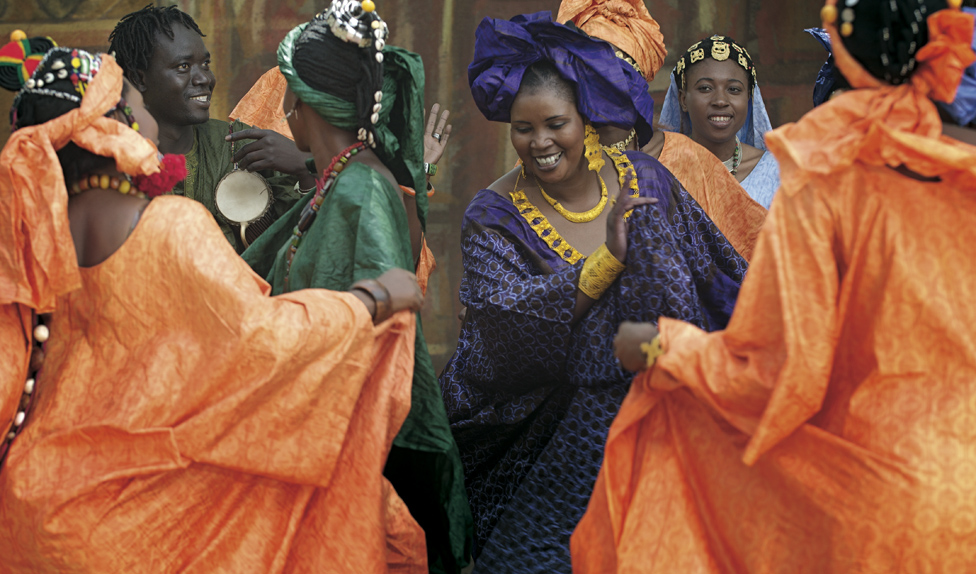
[360, 232]
[210, 159]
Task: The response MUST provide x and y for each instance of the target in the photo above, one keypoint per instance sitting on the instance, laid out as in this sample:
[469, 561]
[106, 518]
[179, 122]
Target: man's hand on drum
[436, 135]
[271, 150]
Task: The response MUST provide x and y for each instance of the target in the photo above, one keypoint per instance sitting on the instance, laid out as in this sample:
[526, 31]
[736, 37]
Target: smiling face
[716, 97]
[547, 133]
[178, 85]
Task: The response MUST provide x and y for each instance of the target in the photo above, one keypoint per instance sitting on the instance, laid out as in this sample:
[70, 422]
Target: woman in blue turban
[556, 254]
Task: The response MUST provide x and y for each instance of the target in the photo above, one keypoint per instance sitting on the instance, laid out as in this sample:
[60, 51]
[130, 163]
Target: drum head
[242, 196]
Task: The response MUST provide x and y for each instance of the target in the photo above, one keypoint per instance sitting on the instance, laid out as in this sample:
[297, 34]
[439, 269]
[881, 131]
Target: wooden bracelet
[380, 295]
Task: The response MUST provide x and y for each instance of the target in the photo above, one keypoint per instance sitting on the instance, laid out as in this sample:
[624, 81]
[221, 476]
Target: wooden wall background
[244, 34]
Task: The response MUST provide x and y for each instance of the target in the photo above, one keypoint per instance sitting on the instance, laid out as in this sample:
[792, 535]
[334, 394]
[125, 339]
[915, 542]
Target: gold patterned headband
[720, 49]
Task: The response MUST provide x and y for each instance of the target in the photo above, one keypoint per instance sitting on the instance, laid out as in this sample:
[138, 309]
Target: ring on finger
[437, 137]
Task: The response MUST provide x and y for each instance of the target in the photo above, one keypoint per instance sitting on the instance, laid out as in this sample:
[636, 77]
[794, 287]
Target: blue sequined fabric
[530, 397]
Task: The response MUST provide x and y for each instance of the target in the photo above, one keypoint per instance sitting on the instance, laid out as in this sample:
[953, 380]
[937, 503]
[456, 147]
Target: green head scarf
[399, 134]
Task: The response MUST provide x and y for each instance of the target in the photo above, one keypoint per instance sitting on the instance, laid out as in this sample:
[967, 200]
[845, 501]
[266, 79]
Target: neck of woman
[327, 141]
[578, 189]
[722, 150]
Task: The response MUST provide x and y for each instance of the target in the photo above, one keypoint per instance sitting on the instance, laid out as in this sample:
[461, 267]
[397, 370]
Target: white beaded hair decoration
[356, 22]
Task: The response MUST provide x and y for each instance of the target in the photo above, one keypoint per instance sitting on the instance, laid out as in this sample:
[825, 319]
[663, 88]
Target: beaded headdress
[387, 111]
[720, 49]
[21, 57]
[357, 22]
[78, 66]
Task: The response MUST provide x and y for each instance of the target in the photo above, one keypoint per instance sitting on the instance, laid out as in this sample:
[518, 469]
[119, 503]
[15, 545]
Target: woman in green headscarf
[357, 105]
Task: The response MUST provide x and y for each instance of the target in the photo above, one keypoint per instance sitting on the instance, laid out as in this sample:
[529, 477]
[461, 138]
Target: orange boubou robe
[736, 215]
[185, 421]
[832, 426]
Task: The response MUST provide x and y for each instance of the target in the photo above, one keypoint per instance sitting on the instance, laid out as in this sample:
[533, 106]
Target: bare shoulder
[655, 147]
[506, 183]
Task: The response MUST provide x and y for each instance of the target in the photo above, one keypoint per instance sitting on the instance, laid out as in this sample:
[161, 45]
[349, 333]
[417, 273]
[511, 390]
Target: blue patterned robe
[530, 397]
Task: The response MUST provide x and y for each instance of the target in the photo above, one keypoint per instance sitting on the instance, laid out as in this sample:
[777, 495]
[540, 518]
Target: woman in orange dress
[829, 427]
[183, 419]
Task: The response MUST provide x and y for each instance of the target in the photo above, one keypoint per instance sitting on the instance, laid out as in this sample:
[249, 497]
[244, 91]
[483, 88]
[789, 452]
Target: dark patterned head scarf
[609, 91]
[886, 35]
[826, 79]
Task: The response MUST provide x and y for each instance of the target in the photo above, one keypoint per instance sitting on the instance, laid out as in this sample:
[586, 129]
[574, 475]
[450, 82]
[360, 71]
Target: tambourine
[244, 198]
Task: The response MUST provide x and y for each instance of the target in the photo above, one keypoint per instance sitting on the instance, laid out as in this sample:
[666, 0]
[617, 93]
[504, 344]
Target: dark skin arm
[433, 151]
[403, 290]
[616, 242]
[627, 343]
[271, 151]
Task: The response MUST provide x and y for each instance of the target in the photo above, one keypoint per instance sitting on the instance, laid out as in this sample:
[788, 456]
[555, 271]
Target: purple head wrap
[826, 77]
[609, 91]
[963, 108]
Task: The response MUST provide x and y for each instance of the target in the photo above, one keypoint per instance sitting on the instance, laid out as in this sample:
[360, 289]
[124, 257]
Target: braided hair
[719, 48]
[885, 36]
[134, 38]
[349, 67]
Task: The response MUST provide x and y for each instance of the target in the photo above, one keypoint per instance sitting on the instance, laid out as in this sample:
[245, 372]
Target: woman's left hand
[436, 135]
[627, 344]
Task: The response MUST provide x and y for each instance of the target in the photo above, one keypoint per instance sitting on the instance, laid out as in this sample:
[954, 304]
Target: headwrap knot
[625, 24]
[608, 90]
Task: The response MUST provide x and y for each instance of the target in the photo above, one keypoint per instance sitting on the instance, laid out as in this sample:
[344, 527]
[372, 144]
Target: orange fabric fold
[883, 124]
[261, 105]
[15, 341]
[736, 215]
[624, 23]
[827, 429]
[185, 420]
[38, 262]
[426, 266]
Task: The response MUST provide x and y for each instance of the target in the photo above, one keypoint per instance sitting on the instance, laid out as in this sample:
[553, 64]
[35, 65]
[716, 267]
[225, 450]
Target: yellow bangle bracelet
[652, 351]
[599, 272]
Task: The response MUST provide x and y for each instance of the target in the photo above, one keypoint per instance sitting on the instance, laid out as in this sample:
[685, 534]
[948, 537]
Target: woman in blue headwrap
[714, 99]
[556, 254]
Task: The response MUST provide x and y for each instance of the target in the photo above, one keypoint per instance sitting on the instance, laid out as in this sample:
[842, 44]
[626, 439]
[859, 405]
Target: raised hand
[617, 224]
[436, 135]
[269, 150]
